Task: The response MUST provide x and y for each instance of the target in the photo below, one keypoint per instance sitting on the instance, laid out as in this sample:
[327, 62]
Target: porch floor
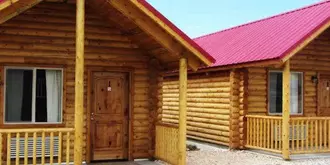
[145, 162]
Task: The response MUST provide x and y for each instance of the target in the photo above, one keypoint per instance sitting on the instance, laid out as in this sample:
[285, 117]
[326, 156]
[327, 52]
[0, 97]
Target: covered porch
[293, 134]
[123, 42]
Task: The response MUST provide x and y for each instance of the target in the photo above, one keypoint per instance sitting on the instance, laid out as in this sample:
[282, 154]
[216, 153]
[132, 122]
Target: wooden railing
[35, 146]
[306, 134]
[264, 132]
[309, 135]
[167, 136]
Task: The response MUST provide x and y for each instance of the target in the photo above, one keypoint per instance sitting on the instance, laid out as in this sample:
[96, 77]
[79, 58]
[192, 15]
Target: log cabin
[81, 81]
[269, 88]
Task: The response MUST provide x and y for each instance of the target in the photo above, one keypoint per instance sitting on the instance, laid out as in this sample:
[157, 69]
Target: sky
[200, 17]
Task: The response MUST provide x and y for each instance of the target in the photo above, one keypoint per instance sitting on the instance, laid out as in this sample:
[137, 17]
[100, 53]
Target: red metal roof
[266, 39]
[176, 29]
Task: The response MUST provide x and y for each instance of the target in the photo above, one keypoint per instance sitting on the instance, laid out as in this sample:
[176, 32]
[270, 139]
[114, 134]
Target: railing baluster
[43, 141]
[307, 136]
[51, 153]
[258, 133]
[248, 131]
[302, 133]
[17, 148]
[272, 134]
[59, 160]
[312, 135]
[297, 134]
[276, 135]
[268, 133]
[67, 148]
[34, 148]
[328, 134]
[8, 148]
[316, 135]
[26, 151]
[280, 134]
[265, 133]
[254, 132]
[324, 134]
[292, 135]
[320, 134]
[1, 148]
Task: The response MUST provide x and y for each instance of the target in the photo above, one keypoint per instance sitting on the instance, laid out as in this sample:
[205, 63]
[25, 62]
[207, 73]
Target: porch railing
[310, 135]
[35, 146]
[306, 134]
[264, 132]
[167, 136]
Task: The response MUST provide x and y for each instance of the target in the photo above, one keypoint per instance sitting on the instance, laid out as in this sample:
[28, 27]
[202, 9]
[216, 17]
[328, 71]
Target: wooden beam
[7, 12]
[182, 111]
[286, 111]
[6, 3]
[268, 63]
[79, 83]
[306, 41]
[171, 31]
[149, 26]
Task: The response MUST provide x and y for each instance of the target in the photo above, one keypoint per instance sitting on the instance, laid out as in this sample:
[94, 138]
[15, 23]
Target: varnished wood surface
[44, 36]
[208, 105]
[109, 116]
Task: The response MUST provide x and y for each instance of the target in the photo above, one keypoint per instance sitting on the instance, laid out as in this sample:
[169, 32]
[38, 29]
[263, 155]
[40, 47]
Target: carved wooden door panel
[109, 116]
[323, 95]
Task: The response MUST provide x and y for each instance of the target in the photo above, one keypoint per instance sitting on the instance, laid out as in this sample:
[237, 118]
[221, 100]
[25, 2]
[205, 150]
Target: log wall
[45, 36]
[234, 139]
[208, 106]
[311, 60]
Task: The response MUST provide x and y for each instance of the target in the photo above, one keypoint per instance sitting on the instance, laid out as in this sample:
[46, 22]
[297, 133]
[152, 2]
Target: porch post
[286, 111]
[79, 82]
[182, 111]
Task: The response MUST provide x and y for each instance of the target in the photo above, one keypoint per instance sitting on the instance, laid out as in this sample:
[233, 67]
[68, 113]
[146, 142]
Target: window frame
[34, 70]
[302, 93]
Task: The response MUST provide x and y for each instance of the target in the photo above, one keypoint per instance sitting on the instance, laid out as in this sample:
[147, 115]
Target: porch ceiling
[134, 23]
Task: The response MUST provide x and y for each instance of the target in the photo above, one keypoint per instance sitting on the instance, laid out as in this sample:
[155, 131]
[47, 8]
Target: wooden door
[109, 116]
[323, 95]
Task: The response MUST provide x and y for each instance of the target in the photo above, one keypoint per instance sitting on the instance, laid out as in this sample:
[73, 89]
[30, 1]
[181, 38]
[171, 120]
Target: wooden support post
[286, 111]
[182, 111]
[79, 83]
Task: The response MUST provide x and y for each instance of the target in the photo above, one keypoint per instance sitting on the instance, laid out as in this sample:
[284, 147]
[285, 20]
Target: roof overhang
[145, 17]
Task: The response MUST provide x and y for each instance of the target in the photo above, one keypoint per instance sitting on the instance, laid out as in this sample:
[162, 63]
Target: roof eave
[170, 28]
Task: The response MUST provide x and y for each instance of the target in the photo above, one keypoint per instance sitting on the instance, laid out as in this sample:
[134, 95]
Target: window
[33, 95]
[275, 92]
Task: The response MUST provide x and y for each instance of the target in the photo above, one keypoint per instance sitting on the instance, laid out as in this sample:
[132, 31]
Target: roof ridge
[264, 19]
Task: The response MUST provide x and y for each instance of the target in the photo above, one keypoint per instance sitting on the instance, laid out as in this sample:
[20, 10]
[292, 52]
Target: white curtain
[53, 87]
[14, 95]
[294, 95]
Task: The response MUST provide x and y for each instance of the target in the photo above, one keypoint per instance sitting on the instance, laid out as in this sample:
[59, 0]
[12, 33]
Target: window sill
[60, 125]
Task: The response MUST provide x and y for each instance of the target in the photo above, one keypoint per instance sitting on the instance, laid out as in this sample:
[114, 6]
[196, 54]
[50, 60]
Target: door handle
[92, 116]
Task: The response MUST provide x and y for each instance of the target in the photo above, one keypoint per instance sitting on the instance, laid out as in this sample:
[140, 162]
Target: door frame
[129, 71]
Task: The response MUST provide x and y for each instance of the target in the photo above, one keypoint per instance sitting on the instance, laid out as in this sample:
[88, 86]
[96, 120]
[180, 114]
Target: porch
[285, 129]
